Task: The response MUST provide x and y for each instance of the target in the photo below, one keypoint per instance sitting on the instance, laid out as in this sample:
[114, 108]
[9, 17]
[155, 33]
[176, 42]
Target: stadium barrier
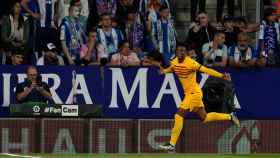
[76, 135]
[140, 92]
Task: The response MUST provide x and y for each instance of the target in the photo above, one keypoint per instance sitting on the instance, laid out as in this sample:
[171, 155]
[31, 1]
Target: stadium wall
[70, 135]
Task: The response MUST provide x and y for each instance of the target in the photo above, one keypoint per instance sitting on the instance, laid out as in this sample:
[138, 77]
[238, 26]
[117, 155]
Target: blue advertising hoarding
[141, 92]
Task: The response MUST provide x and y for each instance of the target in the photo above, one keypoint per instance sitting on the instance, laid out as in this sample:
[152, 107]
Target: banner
[141, 92]
[144, 93]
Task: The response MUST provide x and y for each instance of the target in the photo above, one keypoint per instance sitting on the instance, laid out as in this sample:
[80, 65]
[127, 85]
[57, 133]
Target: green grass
[167, 155]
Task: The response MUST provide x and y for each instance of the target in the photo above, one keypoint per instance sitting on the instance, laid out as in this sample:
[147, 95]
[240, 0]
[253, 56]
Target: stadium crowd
[130, 33]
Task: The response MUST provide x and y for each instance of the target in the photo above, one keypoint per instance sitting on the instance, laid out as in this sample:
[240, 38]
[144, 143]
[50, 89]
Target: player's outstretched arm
[214, 73]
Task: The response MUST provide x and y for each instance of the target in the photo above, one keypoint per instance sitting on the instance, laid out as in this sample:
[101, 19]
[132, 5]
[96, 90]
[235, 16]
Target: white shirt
[213, 53]
[41, 60]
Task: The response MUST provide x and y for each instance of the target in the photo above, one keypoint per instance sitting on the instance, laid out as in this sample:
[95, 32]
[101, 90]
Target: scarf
[76, 36]
[135, 34]
[239, 56]
[271, 37]
[111, 47]
[171, 36]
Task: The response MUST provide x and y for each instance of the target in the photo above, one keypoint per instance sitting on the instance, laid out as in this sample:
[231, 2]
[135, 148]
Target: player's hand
[227, 77]
[161, 71]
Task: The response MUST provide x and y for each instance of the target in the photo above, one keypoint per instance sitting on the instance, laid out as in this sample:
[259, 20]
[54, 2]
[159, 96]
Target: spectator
[72, 36]
[215, 52]
[145, 6]
[33, 89]
[92, 52]
[31, 11]
[200, 33]
[220, 9]
[191, 52]
[17, 56]
[50, 56]
[149, 15]
[63, 10]
[108, 36]
[123, 9]
[164, 35]
[243, 26]
[134, 31]
[47, 11]
[231, 31]
[125, 56]
[101, 7]
[269, 39]
[48, 30]
[194, 4]
[14, 30]
[152, 13]
[242, 55]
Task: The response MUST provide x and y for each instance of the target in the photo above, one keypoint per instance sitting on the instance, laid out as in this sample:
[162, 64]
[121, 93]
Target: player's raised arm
[214, 73]
[198, 67]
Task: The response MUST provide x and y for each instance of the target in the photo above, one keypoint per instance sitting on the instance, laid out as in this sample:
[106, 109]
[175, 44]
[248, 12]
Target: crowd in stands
[131, 33]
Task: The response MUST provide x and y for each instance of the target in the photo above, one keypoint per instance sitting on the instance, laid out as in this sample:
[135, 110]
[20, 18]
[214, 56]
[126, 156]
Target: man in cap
[50, 56]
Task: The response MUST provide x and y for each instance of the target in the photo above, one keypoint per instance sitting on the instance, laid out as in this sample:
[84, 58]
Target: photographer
[33, 89]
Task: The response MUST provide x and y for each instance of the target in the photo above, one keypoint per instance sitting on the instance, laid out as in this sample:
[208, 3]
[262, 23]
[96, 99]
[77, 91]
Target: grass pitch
[167, 155]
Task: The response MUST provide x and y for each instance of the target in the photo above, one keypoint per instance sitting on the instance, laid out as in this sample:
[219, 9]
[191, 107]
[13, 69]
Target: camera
[28, 82]
[39, 80]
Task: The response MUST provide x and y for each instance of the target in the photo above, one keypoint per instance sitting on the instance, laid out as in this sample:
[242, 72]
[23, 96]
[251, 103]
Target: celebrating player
[185, 68]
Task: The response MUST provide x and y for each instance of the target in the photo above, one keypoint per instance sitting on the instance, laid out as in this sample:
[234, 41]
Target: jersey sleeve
[211, 72]
[195, 65]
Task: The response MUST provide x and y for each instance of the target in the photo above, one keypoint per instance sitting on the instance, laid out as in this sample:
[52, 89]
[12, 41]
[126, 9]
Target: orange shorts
[192, 101]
